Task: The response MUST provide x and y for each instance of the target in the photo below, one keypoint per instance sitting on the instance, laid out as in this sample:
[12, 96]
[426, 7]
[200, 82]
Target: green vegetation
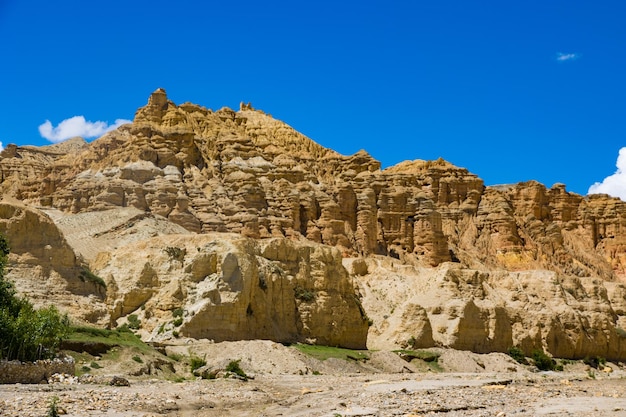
[118, 337]
[133, 322]
[304, 294]
[233, 366]
[137, 359]
[26, 334]
[53, 409]
[518, 355]
[430, 358]
[178, 312]
[425, 355]
[594, 361]
[176, 253]
[95, 365]
[87, 276]
[178, 321]
[196, 362]
[324, 352]
[544, 362]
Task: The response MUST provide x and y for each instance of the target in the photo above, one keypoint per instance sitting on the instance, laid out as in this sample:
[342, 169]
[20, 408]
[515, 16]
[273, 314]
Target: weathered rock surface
[188, 169]
[491, 311]
[227, 287]
[45, 268]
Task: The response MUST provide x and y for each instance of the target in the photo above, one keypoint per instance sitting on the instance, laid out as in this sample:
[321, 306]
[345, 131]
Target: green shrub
[233, 366]
[86, 275]
[133, 322]
[53, 410]
[95, 365]
[178, 312]
[196, 362]
[176, 253]
[26, 334]
[178, 321]
[304, 294]
[594, 361]
[543, 361]
[518, 355]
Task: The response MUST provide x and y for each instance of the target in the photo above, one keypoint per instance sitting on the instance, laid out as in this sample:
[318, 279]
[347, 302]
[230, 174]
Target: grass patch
[324, 352]
[425, 355]
[86, 275]
[233, 366]
[196, 362]
[428, 358]
[118, 337]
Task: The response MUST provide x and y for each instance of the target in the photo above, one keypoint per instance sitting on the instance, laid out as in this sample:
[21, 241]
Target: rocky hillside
[435, 257]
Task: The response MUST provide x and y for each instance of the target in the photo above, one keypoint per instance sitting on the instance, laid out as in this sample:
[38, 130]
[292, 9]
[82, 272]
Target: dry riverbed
[285, 383]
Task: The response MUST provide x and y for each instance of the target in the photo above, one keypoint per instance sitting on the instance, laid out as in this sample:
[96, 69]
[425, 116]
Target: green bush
[26, 334]
[543, 361]
[133, 322]
[518, 355]
[196, 362]
[304, 294]
[86, 275]
[594, 361]
[233, 366]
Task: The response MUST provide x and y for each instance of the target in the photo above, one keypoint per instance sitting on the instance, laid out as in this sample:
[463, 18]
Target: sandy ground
[319, 395]
[288, 383]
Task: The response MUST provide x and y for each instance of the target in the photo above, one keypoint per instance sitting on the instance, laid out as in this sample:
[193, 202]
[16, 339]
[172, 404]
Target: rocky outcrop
[191, 170]
[45, 268]
[480, 311]
[226, 287]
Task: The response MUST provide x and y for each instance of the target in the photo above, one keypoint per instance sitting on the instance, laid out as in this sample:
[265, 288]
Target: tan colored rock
[478, 266]
[234, 288]
[45, 268]
[492, 311]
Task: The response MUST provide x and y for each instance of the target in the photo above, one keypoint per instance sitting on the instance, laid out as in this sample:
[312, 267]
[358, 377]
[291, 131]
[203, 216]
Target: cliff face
[247, 173]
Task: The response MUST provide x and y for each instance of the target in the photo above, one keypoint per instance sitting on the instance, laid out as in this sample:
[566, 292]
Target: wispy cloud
[77, 126]
[562, 57]
[613, 185]
[1, 147]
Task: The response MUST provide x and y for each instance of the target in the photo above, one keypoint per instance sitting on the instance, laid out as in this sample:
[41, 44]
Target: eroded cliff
[246, 173]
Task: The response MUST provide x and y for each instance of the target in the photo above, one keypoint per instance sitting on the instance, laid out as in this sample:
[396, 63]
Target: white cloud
[77, 126]
[561, 57]
[1, 147]
[613, 185]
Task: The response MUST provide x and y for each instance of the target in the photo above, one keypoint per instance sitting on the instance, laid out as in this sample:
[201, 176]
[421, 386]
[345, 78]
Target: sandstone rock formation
[45, 268]
[200, 171]
[227, 287]
[487, 311]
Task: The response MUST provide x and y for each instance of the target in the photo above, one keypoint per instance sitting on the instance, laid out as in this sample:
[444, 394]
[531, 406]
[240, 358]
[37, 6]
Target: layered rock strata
[244, 172]
[227, 287]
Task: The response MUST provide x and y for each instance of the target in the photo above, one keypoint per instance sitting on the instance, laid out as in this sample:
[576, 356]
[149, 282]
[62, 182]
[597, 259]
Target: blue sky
[511, 90]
